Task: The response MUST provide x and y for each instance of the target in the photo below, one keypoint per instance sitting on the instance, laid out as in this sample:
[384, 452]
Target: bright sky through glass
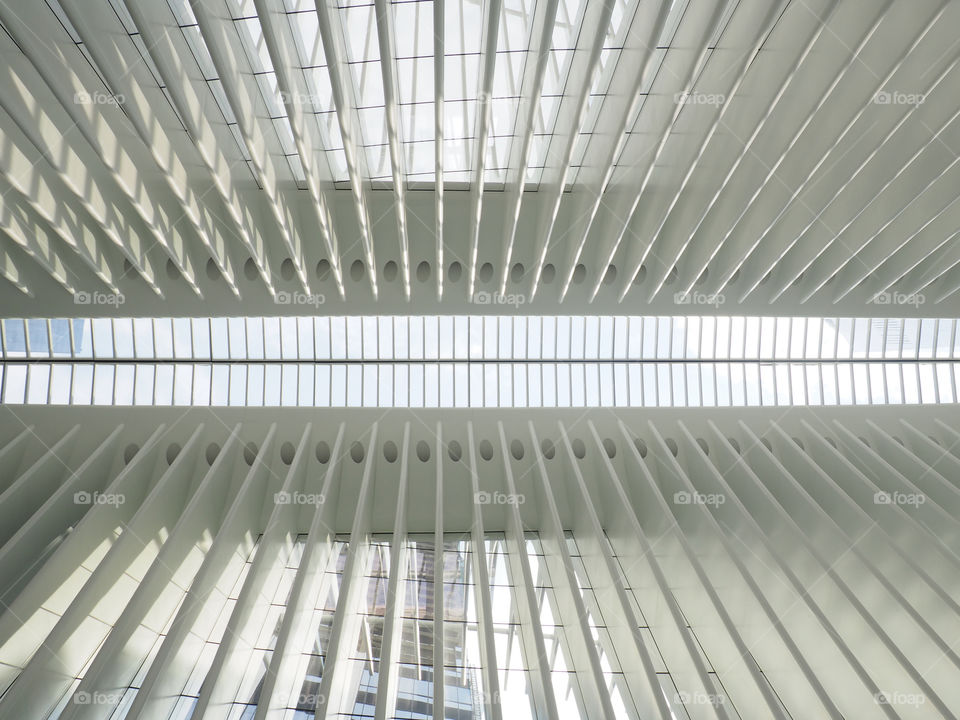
[491, 338]
[475, 361]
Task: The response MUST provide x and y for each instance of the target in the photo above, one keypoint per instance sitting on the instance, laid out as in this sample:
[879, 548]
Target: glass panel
[360, 377]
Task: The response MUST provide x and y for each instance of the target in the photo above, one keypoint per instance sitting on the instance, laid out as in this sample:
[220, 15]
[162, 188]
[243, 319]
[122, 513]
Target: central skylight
[481, 338]
[477, 361]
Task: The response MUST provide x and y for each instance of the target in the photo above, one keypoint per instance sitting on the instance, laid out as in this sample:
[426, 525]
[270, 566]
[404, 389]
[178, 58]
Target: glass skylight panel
[441, 361]
[123, 338]
[363, 58]
[255, 46]
[306, 37]
[497, 385]
[620, 22]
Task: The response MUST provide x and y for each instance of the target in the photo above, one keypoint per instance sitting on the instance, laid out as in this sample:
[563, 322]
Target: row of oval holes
[484, 273]
[423, 271]
[454, 272]
[390, 452]
[454, 450]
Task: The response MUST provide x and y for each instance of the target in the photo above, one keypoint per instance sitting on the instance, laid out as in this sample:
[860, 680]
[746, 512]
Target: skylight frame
[460, 384]
[479, 361]
[487, 338]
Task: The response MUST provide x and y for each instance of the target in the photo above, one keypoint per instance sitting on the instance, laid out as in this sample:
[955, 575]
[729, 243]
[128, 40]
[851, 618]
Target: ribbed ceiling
[418, 152]
[565, 565]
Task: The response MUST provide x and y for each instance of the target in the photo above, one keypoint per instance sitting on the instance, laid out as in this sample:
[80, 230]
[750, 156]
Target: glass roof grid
[462, 63]
[419, 157]
[306, 37]
[609, 55]
[415, 78]
[187, 22]
[360, 32]
[566, 27]
[619, 23]
[664, 44]
[567, 24]
[312, 61]
[363, 58]
[255, 47]
[413, 24]
[511, 57]
[414, 30]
